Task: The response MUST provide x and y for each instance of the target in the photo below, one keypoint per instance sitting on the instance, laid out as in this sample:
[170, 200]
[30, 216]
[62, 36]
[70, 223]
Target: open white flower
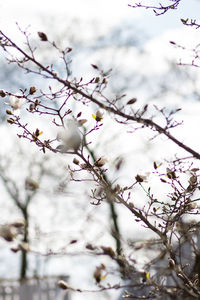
[69, 137]
[16, 102]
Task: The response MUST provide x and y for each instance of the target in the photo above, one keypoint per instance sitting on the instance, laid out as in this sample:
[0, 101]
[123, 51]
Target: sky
[155, 32]
[24, 14]
[108, 14]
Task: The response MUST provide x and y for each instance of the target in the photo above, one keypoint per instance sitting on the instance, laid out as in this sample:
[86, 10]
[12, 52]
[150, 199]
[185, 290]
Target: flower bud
[139, 178]
[76, 161]
[99, 116]
[100, 162]
[171, 263]
[82, 122]
[8, 232]
[9, 112]
[32, 90]
[31, 107]
[63, 285]
[2, 93]
[11, 121]
[131, 101]
[42, 36]
[31, 184]
[193, 179]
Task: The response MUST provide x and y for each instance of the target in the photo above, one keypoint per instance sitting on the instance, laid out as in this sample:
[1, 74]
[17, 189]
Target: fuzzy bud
[9, 112]
[76, 161]
[171, 263]
[98, 273]
[99, 116]
[8, 232]
[193, 179]
[82, 122]
[31, 107]
[42, 36]
[31, 184]
[63, 285]
[108, 251]
[131, 101]
[2, 93]
[100, 162]
[139, 178]
[11, 121]
[32, 90]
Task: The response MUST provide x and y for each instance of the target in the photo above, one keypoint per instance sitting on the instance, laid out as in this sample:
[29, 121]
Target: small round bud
[193, 179]
[171, 263]
[11, 121]
[82, 122]
[76, 161]
[2, 93]
[32, 90]
[100, 162]
[63, 285]
[139, 178]
[131, 101]
[9, 112]
[99, 116]
[42, 36]
[31, 107]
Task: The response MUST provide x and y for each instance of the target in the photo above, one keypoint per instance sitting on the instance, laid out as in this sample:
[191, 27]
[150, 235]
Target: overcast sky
[108, 12]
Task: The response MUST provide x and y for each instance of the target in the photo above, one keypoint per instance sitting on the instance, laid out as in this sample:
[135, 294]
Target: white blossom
[16, 102]
[69, 137]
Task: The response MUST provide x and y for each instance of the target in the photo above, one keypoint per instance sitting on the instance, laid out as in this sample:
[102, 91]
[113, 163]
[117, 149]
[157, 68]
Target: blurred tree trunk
[24, 258]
